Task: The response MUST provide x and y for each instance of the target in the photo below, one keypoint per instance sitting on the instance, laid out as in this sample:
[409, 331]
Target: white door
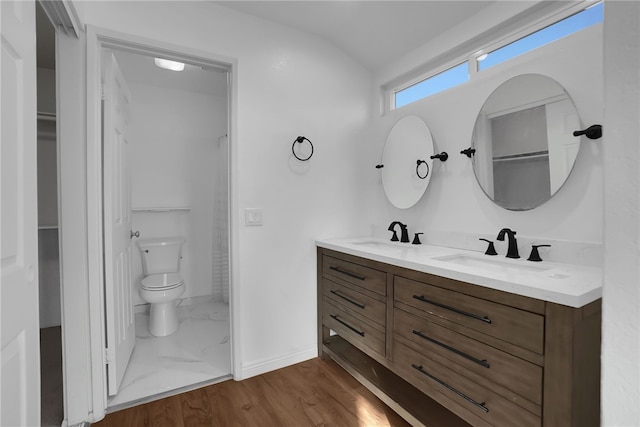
[20, 332]
[117, 223]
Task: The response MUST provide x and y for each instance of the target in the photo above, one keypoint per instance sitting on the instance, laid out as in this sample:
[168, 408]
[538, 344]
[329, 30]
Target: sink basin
[492, 264]
[378, 244]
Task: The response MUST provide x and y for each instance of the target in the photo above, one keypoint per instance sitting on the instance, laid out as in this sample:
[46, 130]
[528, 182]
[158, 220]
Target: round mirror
[406, 162]
[524, 143]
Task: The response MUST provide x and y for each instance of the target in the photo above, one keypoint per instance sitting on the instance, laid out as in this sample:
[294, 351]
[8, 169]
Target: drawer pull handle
[354, 302]
[452, 349]
[348, 273]
[459, 393]
[347, 325]
[456, 310]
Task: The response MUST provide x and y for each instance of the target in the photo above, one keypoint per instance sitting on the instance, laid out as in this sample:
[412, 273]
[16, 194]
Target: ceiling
[375, 33]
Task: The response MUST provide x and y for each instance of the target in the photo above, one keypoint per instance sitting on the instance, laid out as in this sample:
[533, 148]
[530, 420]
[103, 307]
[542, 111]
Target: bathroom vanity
[455, 338]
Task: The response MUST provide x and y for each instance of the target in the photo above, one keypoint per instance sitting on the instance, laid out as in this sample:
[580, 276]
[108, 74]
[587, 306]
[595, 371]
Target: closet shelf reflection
[161, 210]
[523, 156]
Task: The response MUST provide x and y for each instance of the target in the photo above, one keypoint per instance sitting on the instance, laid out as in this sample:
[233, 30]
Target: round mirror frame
[538, 113]
[406, 162]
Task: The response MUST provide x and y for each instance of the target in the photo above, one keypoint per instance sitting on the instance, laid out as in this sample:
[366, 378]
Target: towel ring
[300, 140]
[418, 169]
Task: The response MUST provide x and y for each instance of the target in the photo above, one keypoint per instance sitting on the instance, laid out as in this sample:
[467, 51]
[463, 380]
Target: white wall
[454, 204]
[621, 294]
[288, 84]
[174, 137]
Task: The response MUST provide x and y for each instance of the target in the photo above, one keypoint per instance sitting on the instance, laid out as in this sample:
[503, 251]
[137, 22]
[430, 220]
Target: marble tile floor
[198, 353]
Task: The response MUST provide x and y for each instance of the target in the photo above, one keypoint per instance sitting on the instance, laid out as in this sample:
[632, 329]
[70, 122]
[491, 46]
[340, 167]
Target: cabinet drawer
[356, 274]
[354, 301]
[466, 398]
[478, 361]
[518, 327]
[354, 329]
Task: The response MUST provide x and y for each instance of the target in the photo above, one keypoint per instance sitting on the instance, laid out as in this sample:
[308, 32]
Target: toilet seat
[162, 282]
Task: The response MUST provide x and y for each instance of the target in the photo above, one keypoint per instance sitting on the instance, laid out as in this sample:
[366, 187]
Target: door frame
[98, 38]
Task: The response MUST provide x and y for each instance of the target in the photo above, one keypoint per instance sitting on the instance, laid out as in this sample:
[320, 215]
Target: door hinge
[108, 356]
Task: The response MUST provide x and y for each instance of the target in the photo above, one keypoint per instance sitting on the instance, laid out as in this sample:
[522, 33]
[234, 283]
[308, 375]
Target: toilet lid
[162, 281]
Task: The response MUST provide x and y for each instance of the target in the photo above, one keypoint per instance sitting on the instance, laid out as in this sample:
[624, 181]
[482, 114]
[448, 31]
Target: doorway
[51, 388]
[177, 186]
[163, 200]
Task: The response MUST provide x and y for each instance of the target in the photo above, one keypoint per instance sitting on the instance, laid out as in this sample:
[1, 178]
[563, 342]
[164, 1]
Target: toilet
[162, 285]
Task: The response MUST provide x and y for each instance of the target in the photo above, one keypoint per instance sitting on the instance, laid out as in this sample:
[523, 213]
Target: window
[444, 80]
[570, 25]
[461, 73]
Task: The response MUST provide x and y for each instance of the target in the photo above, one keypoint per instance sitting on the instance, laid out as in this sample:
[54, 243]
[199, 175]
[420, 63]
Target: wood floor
[51, 406]
[312, 393]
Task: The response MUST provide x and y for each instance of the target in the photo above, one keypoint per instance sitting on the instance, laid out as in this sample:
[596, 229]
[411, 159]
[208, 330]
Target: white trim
[260, 367]
[95, 266]
[234, 233]
[63, 15]
[98, 38]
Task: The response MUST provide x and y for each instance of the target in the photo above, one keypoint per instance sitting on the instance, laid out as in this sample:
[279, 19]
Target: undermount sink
[491, 264]
[378, 244]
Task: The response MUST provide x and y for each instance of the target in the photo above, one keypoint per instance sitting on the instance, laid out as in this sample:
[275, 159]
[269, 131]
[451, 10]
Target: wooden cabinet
[354, 303]
[472, 355]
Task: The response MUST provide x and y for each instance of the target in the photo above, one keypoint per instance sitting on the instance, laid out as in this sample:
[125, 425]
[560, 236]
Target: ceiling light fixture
[169, 65]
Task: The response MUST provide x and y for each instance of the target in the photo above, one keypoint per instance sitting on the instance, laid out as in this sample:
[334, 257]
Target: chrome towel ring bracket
[300, 140]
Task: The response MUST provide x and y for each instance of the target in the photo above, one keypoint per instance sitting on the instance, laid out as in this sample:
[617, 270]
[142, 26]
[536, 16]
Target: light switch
[252, 216]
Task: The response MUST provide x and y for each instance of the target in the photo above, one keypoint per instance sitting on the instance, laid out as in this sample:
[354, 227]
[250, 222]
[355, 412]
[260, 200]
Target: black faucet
[405, 234]
[512, 251]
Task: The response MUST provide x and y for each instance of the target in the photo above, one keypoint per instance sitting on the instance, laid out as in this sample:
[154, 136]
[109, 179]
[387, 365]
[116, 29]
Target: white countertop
[567, 284]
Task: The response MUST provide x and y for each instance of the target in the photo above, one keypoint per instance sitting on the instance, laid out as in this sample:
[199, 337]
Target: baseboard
[266, 365]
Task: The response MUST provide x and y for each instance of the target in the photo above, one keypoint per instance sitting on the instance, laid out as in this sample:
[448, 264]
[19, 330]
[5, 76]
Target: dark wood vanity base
[441, 352]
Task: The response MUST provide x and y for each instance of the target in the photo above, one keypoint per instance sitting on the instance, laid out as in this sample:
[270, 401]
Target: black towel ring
[418, 169]
[300, 140]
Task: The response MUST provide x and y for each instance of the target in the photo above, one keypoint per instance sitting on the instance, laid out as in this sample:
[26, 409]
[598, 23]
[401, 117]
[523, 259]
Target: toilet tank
[160, 255]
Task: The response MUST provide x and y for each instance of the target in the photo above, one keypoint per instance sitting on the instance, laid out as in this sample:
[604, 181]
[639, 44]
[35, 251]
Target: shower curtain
[220, 263]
